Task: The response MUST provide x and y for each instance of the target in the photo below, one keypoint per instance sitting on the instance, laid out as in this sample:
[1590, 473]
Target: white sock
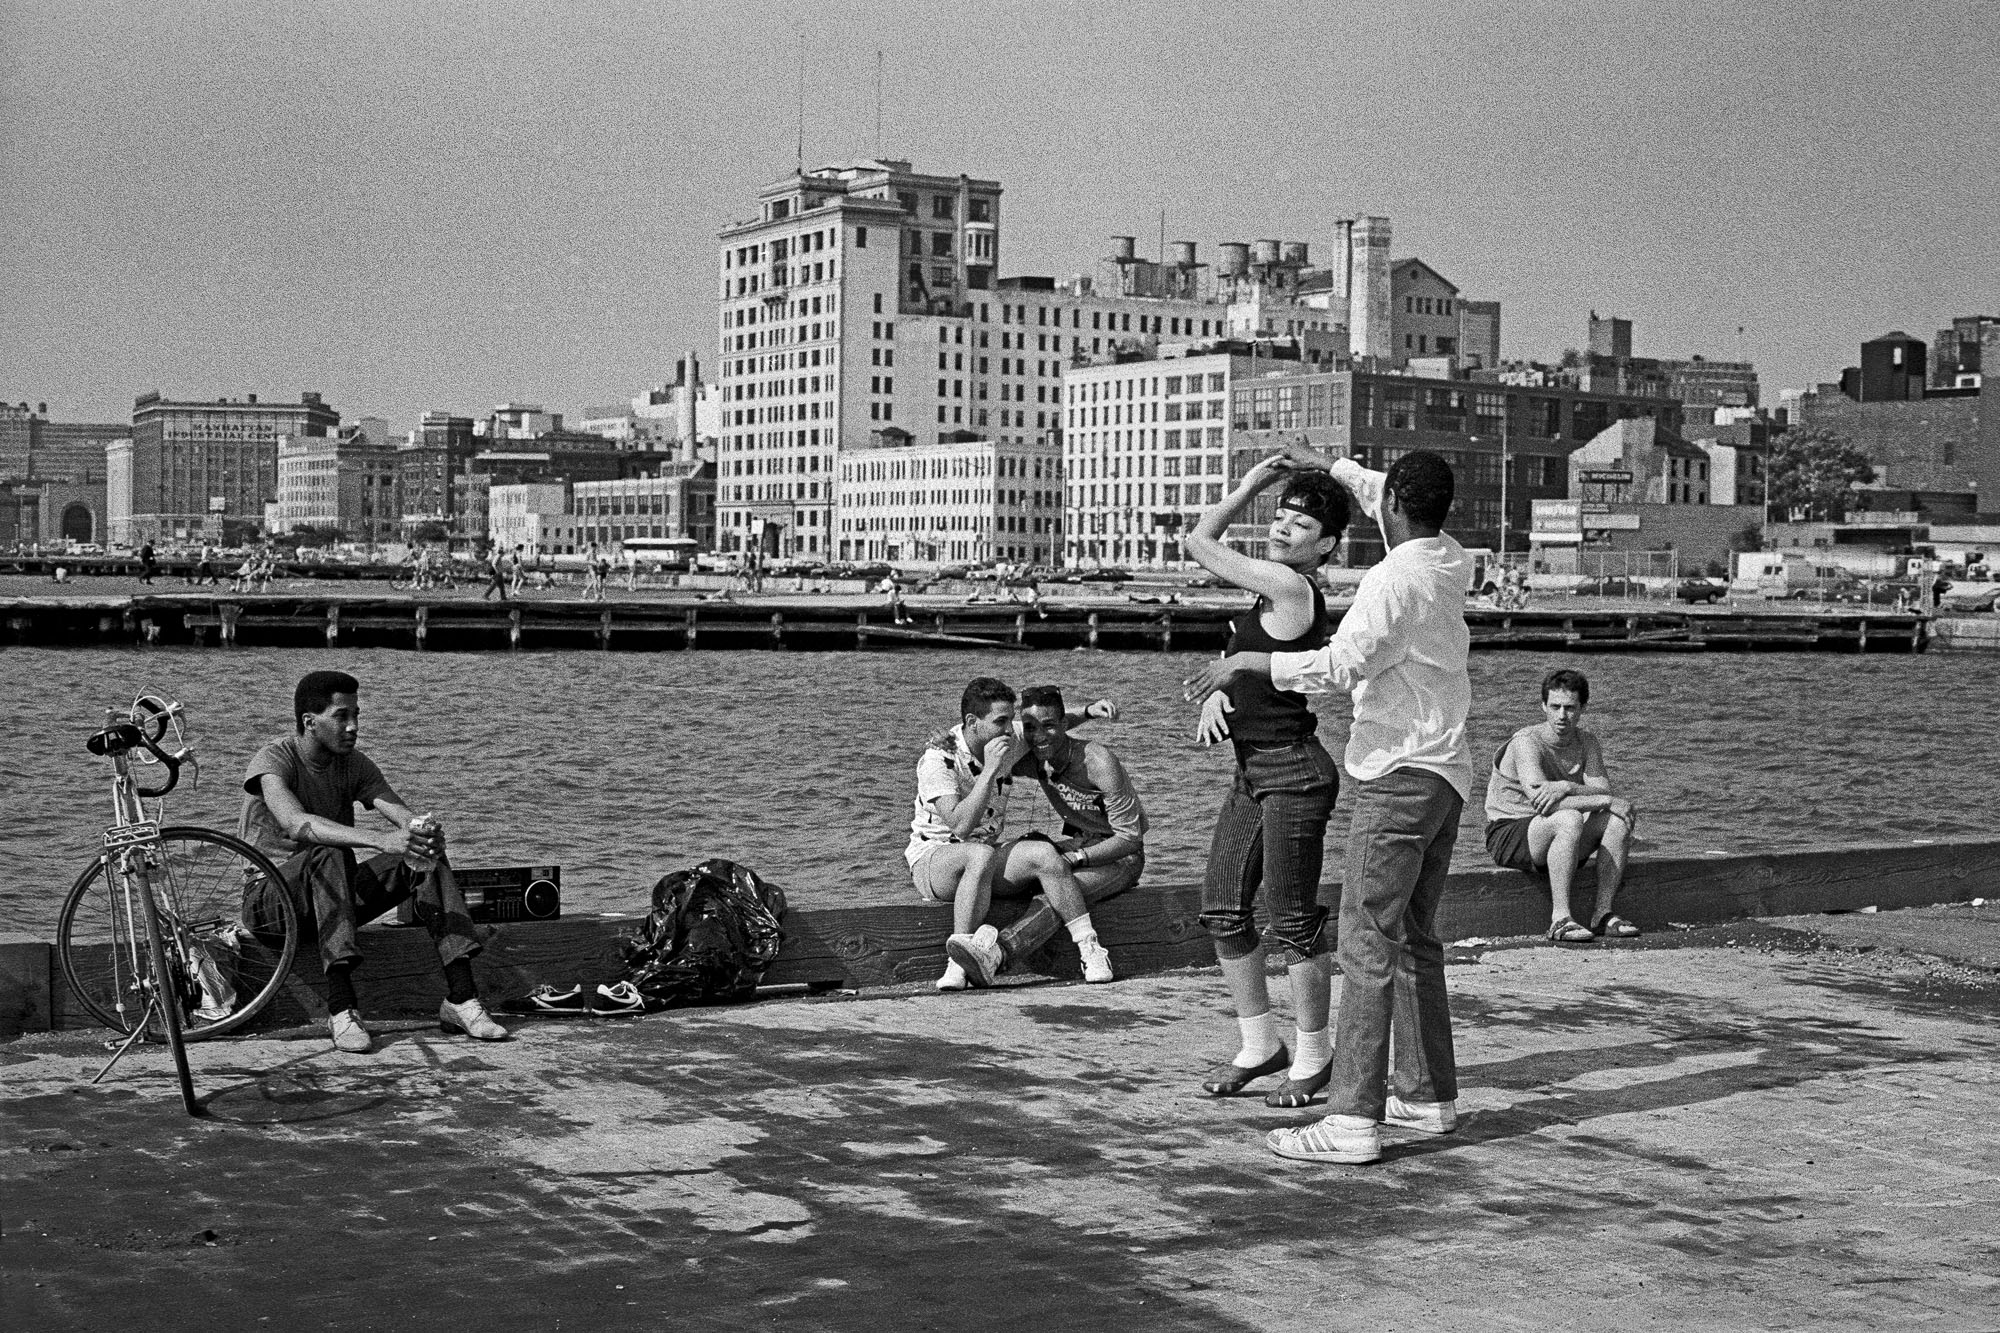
[1260, 1040]
[1081, 929]
[954, 977]
[1312, 1052]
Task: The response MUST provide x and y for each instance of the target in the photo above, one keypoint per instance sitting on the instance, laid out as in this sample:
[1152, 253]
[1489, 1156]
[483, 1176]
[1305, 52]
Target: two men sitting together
[957, 852]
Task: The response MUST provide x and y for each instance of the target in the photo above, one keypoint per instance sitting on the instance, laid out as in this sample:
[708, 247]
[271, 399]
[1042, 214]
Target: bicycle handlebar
[173, 766]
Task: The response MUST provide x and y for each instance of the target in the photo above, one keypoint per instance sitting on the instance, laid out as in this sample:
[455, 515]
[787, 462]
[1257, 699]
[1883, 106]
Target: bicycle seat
[114, 739]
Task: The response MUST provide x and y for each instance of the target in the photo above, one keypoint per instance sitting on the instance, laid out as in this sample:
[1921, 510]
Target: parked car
[1700, 590]
[1108, 574]
[1611, 585]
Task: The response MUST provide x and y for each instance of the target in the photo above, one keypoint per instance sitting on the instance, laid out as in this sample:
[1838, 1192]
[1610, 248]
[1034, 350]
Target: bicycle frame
[127, 863]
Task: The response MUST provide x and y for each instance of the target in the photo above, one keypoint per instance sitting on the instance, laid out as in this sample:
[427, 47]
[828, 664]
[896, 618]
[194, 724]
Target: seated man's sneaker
[470, 1018]
[1351, 1139]
[979, 958]
[1096, 961]
[348, 1034]
[1420, 1117]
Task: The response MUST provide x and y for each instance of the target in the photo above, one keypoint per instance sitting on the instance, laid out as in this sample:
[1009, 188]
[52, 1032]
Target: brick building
[190, 466]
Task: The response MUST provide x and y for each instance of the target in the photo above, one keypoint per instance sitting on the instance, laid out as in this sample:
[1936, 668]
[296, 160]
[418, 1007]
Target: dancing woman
[1271, 831]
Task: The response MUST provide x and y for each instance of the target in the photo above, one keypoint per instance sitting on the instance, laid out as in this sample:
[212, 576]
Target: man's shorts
[932, 886]
[1507, 840]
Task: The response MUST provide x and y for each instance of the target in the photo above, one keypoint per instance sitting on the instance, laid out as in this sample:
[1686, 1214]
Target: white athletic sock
[1081, 929]
[1260, 1040]
[954, 977]
[1312, 1052]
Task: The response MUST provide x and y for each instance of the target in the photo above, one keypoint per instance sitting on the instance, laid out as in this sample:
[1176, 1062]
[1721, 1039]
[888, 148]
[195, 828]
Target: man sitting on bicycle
[299, 795]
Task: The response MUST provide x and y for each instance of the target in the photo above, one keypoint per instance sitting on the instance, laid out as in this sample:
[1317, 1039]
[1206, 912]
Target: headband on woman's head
[1317, 499]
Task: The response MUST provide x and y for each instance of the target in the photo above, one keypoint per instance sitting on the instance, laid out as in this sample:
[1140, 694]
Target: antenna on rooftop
[802, 101]
[878, 105]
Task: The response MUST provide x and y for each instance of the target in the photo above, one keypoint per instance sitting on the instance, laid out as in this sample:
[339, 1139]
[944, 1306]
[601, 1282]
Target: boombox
[504, 893]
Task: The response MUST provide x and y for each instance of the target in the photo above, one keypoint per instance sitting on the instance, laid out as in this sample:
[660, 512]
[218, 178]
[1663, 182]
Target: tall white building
[1145, 450]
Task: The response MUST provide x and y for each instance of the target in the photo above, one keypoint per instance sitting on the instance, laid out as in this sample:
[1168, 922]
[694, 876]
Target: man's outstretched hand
[1104, 710]
[1207, 679]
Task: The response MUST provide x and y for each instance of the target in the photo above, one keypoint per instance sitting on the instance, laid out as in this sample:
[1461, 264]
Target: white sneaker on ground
[979, 958]
[348, 1034]
[470, 1018]
[1351, 1139]
[1420, 1117]
[953, 978]
[1096, 960]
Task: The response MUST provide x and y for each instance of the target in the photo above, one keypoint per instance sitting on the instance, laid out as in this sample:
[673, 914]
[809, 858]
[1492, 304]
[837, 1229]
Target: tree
[1815, 471]
[432, 530]
[1571, 359]
[317, 536]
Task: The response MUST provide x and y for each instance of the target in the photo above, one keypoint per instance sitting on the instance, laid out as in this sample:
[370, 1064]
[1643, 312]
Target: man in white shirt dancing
[1400, 651]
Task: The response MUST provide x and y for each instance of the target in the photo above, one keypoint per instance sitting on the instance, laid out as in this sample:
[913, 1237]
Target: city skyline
[265, 207]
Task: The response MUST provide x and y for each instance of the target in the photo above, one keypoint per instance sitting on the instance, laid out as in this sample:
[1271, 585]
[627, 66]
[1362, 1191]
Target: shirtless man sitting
[1549, 805]
[955, 853]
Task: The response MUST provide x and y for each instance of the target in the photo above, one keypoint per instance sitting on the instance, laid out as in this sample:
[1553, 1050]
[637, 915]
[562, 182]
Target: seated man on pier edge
[1549, 805]
[299, 794]
[956, 855]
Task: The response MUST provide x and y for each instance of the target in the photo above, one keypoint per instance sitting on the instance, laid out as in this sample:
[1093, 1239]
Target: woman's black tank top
[1265, 715]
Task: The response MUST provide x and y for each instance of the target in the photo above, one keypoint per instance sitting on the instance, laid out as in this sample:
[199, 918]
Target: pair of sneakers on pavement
[471, 1018]
[977, 958]
[1354, 1139]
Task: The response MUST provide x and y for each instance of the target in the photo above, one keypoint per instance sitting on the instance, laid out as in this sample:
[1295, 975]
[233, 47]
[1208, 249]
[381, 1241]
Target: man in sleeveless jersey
[1104, 825]
[1549, 806]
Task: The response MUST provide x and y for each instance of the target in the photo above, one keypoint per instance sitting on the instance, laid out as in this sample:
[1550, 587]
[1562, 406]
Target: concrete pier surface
[1754, 1125]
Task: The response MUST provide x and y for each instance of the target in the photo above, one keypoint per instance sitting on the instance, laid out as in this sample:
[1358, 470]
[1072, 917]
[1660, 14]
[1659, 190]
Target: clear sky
[413, 205]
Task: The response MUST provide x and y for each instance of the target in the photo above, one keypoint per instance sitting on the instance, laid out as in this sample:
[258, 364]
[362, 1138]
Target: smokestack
[684, 406]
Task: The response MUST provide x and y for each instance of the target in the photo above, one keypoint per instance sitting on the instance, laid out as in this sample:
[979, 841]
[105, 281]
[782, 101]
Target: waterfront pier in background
[1182, 623]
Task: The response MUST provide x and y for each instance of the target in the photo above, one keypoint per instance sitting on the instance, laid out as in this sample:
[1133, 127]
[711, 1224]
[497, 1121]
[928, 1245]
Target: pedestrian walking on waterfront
[1271, 831]
[146, 564]
[496, 574]
[514, 571]
[1400, 652]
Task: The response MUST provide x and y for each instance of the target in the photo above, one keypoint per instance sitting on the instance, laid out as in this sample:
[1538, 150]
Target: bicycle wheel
[227, 918]
[161, 987]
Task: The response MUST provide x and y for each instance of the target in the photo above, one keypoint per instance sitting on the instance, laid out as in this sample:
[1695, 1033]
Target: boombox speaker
[504, 893]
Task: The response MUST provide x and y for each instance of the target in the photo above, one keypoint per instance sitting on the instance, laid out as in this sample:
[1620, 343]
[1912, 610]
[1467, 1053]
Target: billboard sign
[1606, 478]
[1556, 517]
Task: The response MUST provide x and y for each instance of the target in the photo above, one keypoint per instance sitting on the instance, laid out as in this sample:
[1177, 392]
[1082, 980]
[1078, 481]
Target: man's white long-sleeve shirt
[1401, 652]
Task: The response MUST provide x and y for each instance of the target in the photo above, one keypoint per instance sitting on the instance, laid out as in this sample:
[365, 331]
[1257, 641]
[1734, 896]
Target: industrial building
[862, 308]
[192, 468]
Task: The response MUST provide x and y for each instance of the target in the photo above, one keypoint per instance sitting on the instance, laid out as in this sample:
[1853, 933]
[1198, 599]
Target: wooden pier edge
[1152, 928]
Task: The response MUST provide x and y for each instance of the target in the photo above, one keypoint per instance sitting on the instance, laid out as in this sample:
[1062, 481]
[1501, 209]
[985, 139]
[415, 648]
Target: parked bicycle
[172, 934]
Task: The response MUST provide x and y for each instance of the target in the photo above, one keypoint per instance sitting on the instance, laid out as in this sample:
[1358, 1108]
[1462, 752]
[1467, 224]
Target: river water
[622, 766]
